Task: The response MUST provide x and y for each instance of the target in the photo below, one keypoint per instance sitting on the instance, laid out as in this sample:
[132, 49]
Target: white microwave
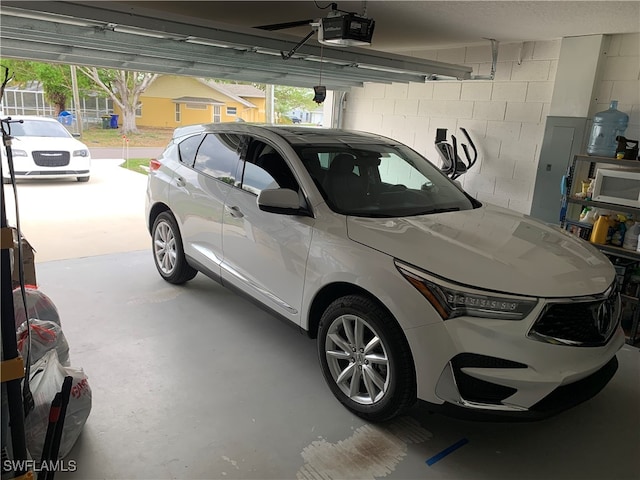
[617, 186]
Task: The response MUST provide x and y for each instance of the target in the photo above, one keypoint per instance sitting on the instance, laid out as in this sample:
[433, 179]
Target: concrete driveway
[118, 152]
[65, 219]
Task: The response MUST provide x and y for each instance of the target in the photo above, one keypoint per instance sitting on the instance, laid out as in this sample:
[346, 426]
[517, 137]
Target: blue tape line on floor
[447, 451]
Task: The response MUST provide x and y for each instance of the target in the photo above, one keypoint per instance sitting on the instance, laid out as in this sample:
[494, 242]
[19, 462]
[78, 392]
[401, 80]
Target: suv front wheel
[365, 358]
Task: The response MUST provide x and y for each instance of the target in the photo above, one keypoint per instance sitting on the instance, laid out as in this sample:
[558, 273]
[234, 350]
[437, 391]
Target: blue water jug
[606, 127]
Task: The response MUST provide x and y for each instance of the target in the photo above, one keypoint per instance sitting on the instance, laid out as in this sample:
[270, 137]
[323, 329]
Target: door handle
[181, 182]
[235, 212]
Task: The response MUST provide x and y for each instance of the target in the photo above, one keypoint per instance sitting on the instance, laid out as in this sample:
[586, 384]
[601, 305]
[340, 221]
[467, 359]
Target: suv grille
[589, 323]
[51, 158]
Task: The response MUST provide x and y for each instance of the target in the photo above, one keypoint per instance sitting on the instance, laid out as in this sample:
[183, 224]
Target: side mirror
[280, 200]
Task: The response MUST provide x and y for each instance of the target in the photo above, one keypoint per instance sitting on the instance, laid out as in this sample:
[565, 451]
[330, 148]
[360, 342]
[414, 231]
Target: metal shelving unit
[619, 252]
[583, 166]
[608, 206]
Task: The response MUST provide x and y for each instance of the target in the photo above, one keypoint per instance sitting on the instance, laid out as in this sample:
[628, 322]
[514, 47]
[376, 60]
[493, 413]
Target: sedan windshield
[381, 181]
[39, 128]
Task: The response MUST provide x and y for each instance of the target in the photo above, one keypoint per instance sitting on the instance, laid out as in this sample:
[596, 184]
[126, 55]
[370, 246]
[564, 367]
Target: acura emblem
[603, 318]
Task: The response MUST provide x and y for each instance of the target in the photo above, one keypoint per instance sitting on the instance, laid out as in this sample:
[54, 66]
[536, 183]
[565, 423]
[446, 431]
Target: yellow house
[173, 101]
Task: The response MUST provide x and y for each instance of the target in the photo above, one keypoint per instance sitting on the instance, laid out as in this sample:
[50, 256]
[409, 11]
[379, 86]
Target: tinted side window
[267, 169]
[188, 149]
[218, 157]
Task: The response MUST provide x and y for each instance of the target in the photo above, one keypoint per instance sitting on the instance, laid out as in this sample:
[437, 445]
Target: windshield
[381, 181]
[38, 128]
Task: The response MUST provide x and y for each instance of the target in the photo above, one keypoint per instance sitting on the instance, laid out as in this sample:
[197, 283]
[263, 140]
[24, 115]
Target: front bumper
[562, 398]
[496, 367]
[26, 168]
[51, 174]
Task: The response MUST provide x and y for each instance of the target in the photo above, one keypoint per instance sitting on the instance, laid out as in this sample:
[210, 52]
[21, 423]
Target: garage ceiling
[217, 39]
[403, 26]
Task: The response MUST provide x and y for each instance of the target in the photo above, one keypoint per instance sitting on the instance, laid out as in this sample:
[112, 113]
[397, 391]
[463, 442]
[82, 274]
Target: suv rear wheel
[168, 252]
[365, 358]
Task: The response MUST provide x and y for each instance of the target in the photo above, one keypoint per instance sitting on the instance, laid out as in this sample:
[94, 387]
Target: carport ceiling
[216, 39]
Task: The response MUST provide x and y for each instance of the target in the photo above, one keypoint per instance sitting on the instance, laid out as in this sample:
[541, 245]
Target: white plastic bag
[38, 306]
[45, 335]
[47, 376]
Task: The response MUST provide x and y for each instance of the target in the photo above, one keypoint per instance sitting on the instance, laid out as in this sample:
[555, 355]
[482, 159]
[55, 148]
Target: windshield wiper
[372, 215]
[399, 214]
[440, 210]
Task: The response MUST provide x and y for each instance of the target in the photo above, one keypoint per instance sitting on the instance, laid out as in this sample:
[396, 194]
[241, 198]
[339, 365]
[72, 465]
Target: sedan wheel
[365, 358]
[168, 252]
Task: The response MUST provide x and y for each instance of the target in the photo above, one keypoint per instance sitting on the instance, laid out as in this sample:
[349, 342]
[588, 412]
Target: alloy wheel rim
[164, 245]
[357, 359]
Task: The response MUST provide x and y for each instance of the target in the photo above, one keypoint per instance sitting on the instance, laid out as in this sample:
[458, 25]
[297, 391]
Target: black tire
[372, 401]
[168, 252]
[83, 179]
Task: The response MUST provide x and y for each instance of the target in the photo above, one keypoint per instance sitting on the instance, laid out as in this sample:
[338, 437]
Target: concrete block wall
[505, 117]
[621, 80]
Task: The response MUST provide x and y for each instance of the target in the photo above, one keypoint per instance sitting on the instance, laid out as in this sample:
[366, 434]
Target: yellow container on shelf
[601, 229]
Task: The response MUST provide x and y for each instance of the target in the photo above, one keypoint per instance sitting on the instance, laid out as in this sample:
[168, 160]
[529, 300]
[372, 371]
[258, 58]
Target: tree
[7, 75]
[55, 80]
[124, 88]
[290, 98]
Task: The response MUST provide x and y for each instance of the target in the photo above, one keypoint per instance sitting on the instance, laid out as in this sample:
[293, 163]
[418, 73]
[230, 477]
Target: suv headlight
[81, 153]
[451, 300]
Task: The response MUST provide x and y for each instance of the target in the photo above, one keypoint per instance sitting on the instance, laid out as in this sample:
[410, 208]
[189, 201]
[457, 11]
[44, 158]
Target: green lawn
[136, 165]
[113, 137]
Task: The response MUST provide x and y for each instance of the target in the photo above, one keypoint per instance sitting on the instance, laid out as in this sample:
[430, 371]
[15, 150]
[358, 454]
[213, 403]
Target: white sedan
[44, 148]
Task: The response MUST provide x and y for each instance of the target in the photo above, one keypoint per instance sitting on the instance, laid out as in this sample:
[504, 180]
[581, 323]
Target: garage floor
[196, 382]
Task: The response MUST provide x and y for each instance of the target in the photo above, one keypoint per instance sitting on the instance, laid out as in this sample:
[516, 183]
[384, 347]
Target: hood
[491, 248]
[48, 143]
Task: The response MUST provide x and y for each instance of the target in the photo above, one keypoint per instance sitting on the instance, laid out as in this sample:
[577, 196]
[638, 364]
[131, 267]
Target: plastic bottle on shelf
[607, 125]
[631, 237]
[600, 233]
[590, 215]
[620, 229]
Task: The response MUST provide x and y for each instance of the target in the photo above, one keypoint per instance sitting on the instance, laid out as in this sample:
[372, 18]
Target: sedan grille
[589, 323]
[51, 158]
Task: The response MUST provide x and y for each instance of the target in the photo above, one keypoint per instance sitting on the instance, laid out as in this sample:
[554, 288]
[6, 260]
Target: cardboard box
[28, 257]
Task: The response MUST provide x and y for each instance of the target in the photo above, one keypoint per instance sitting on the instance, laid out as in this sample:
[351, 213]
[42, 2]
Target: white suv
[413, 289]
